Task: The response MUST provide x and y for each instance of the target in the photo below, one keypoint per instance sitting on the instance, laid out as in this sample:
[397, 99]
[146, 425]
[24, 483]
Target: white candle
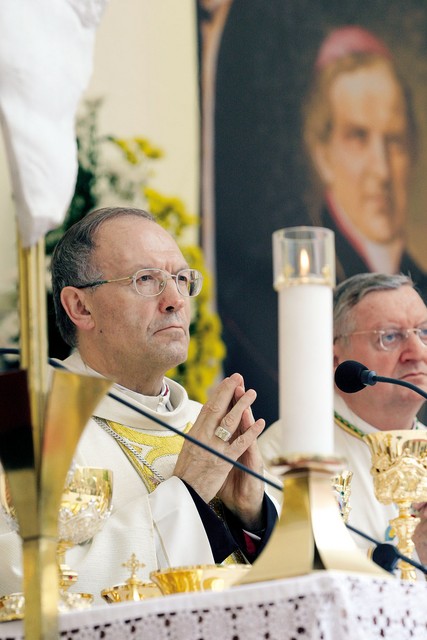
[304, 259]
[306, 369]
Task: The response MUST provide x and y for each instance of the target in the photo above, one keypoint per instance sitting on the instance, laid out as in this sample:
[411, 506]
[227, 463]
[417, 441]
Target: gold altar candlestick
[38, 436]
[310, 533]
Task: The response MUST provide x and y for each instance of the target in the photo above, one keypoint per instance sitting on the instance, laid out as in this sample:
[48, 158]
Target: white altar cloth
[321, 606]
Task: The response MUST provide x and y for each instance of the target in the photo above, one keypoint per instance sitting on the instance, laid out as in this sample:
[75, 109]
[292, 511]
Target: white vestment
[161, 528]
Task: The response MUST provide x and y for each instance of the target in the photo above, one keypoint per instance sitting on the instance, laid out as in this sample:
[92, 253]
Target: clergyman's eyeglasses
[151, 282]
[391, 339]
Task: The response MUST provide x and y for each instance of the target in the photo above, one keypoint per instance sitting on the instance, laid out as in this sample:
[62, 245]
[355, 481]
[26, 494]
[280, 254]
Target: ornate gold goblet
[399, 471]
[85, 505]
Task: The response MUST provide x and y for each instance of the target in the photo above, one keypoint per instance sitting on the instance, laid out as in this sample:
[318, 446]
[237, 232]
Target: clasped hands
[230, 408]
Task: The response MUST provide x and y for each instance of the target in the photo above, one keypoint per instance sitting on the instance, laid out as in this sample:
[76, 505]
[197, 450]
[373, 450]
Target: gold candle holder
[311, 534]
[399, 471]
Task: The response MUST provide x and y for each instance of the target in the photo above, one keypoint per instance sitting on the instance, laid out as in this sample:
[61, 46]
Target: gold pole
[38, 554]
[33, 334]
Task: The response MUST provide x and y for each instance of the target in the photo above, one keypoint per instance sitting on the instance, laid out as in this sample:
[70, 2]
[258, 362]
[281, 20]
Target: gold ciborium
[203, 577]
[133, 589]
[85, 505]
[399, 471]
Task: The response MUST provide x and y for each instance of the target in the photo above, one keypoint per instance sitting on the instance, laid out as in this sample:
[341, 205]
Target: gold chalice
[85, 505]
[399, 471]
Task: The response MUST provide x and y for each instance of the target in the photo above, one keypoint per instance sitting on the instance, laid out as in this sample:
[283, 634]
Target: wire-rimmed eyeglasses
[391, 339]
[151, 282]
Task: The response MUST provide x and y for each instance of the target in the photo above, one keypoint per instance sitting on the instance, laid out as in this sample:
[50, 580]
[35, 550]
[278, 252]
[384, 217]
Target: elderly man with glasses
[380, 321]
[122, 291]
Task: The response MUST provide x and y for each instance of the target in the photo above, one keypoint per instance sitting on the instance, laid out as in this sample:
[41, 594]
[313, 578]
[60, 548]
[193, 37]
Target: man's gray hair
[350, 292]
[72, 260]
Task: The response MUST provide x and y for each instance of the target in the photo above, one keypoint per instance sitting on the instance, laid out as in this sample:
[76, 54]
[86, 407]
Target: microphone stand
[401, 383]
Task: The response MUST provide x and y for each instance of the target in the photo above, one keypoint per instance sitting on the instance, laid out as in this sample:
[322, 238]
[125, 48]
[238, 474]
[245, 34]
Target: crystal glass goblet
[85, 505]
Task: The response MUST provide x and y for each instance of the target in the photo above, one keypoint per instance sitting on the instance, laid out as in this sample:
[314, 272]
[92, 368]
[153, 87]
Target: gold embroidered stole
[348, 427]
[355, 431]
[160, 446]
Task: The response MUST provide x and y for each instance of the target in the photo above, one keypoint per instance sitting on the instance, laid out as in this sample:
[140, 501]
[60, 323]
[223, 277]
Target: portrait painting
[313, 113]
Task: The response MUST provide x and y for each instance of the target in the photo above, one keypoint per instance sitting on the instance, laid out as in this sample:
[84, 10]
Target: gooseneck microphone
[352, 376]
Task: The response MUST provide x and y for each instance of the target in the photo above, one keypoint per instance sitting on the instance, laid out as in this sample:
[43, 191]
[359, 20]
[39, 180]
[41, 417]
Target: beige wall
[145, 68]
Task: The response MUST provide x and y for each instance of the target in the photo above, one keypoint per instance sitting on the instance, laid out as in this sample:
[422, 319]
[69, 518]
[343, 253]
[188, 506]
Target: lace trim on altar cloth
[320, 606]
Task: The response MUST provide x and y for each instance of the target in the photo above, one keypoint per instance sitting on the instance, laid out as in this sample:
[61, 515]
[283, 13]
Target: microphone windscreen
[348, 376]
[386, 556]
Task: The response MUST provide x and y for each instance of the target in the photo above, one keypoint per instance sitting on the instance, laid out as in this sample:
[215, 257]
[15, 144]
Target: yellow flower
[170, 212]
[147, 148]
[128, 152]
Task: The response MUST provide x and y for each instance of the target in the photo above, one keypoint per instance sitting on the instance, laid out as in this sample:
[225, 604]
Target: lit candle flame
[304, 263]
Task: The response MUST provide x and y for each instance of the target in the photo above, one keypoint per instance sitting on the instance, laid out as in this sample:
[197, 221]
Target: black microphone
[386, 555]
[352, 376]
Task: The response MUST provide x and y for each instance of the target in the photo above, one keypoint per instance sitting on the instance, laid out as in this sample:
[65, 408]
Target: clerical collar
[160, 403]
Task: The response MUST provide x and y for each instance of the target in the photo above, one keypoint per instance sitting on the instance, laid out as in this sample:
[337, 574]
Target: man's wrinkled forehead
[130, 237]
[389, 307]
